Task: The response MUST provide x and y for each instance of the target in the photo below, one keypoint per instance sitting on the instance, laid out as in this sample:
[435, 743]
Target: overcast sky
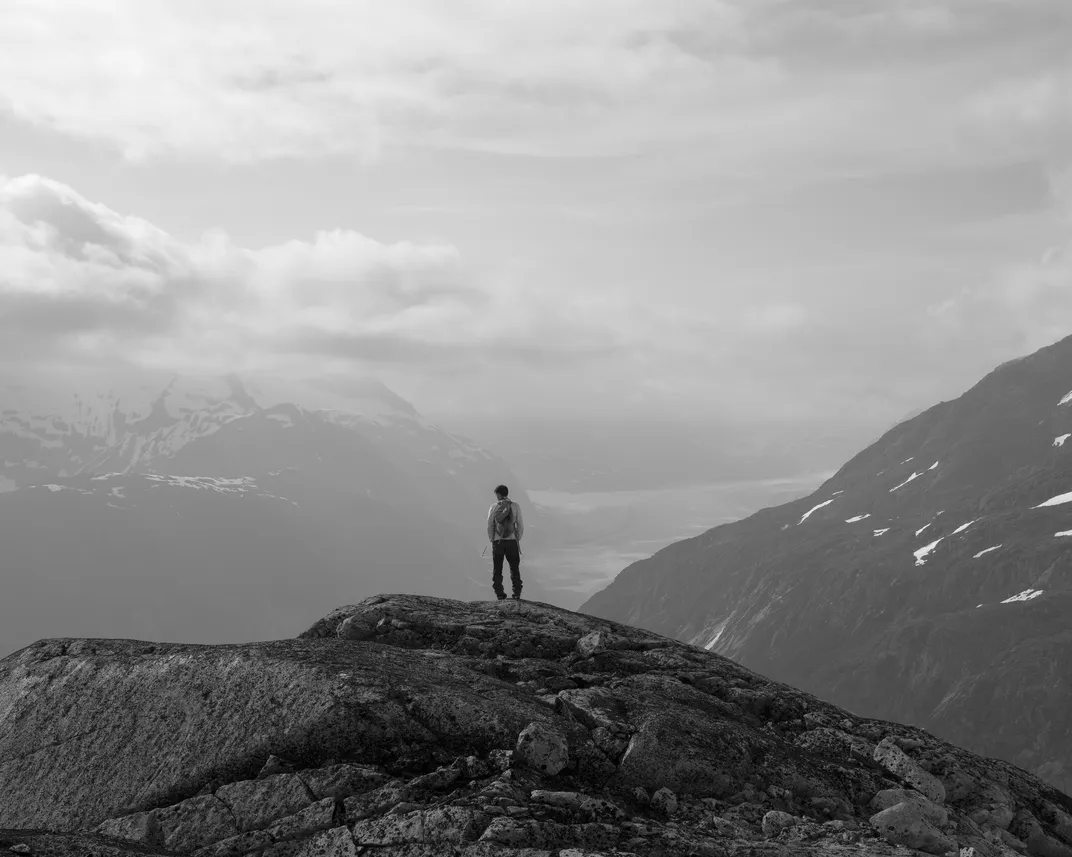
[779, 209]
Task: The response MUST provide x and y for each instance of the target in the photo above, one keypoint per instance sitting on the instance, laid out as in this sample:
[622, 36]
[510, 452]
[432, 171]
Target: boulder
[905, 824]
[935, 814]
[775, 822]
[664, 801]
[601, 641]
[893, 759]
[542, 748]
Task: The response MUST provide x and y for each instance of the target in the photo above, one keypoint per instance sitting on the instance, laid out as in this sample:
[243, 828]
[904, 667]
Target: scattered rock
[664, 801]
[601, 641]
[501, 760]
[775, 822]
[893, 759]
[905, 824]
[935, 814]
[542, 748]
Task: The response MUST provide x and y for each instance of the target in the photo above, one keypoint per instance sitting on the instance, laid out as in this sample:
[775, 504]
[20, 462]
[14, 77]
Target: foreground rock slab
[481, 729]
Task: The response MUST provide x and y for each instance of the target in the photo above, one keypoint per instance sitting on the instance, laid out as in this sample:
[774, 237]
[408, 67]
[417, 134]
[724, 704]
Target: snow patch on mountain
[922, 554]
[1066, 399]
[921, 529]
[1062, 534]
[857, 518]
[984, 552]
[963, 527]
[1056, 501]
[933, 466]
[909, 479]
[1026, 595]
[882, 532]
[1060, 439]
[716, 632]
[813, 509]
[207, 483]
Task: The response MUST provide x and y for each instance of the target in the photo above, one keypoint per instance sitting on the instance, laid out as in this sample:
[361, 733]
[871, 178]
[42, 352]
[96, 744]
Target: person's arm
[520, 521]
[491, 525]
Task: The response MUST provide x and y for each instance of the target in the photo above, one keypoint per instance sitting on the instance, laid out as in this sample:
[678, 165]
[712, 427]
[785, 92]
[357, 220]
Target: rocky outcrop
[480, 729]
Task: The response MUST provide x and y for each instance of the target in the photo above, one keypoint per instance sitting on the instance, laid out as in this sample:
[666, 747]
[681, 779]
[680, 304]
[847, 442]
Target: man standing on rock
[505, 529]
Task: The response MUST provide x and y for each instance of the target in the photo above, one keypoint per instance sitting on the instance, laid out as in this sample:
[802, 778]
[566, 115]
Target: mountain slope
[929, 580]
[226, 508]
[416, 727]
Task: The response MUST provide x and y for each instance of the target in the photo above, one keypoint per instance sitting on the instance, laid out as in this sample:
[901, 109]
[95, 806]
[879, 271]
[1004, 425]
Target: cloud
[754, 86]
[84, 281]
[84, 285]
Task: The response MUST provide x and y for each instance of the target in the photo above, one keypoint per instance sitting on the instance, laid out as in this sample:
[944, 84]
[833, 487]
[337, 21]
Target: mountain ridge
[956, 511]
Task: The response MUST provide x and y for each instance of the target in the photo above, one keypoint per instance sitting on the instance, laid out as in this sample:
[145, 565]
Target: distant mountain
[928, 581]
[226, 507]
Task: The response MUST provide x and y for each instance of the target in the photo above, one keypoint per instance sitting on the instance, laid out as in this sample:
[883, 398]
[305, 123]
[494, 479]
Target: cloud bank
[789, 210]
[758, 85]
[83, 284]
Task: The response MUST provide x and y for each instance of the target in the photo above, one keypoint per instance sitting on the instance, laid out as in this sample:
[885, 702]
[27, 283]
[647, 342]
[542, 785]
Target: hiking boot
[516, 596]
[501, 596]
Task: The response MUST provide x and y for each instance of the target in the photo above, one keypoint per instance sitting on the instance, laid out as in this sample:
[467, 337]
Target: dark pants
[509, 550]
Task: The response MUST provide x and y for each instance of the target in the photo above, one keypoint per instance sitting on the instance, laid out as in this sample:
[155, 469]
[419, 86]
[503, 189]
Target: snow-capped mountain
[929, 580]
[148, 424]
[227, 493]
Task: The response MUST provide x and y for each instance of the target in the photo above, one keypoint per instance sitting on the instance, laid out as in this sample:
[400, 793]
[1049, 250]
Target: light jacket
[520, 524]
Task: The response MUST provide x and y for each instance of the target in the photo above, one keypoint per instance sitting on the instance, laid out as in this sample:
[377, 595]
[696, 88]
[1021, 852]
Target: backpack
[503, 517]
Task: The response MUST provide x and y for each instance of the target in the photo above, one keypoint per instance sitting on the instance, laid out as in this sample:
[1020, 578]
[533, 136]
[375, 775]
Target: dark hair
[502, 491]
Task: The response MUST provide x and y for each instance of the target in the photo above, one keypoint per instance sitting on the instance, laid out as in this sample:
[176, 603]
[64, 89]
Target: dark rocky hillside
[929, 581]
[413, 726]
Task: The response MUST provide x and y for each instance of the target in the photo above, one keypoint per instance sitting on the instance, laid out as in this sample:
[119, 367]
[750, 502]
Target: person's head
[502, 492]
